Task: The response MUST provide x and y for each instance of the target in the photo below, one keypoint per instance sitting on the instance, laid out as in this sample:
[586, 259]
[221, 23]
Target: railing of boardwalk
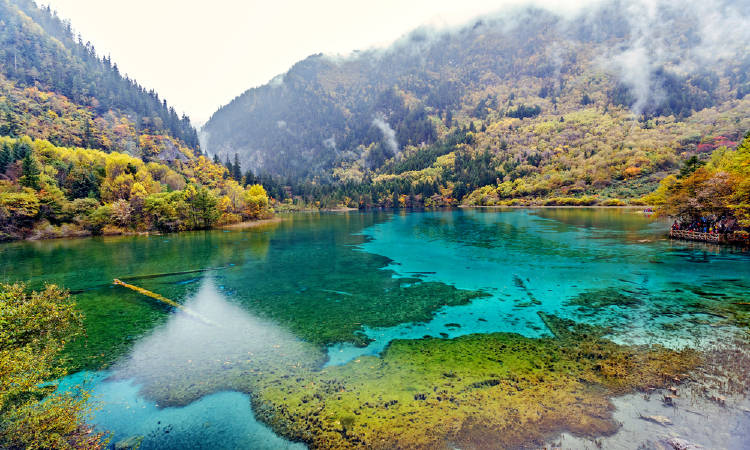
[697, 236]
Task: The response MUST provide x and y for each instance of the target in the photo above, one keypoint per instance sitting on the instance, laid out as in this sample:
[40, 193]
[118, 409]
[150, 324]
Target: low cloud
[389, 135]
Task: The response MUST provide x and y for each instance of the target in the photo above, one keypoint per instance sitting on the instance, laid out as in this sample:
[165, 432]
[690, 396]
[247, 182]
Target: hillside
[84, 150]
[55, 86]
[526, 104]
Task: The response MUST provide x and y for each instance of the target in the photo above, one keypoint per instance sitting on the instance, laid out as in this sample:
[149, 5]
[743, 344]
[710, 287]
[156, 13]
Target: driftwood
[169, 274]
[165, 300]
[147, 276]
[660, 420]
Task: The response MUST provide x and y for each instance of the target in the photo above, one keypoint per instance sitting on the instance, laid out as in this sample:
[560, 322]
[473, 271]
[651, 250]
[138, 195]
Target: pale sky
[199, 55]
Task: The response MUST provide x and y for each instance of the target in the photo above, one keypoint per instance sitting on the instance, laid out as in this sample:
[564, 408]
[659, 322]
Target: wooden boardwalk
[697, 236]
[715, 238]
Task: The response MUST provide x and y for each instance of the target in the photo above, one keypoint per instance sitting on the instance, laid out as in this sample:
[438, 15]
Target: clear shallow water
[184, 346]
[302, 292]
[224, 420]
[537, 260]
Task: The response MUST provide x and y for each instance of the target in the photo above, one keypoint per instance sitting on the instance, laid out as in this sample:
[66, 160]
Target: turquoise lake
[317, 292]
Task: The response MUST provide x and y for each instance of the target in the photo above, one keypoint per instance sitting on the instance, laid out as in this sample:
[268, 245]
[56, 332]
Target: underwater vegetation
[725, 301]
[472, 391]
[601, 298]
[284, 298]
[330, 316]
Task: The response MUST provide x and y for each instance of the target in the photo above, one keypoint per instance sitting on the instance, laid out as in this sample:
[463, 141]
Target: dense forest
[527, 107]
[52, 191]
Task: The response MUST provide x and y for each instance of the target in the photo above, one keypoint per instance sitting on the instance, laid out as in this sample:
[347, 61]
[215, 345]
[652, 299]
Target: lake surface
[407, 329]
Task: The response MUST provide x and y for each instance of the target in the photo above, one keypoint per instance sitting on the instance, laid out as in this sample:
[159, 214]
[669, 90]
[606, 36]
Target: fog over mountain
[633, 61]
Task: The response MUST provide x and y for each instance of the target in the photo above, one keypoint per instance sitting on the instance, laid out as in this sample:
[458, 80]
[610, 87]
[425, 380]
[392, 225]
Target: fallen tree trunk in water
[169, 274]
[163, 299]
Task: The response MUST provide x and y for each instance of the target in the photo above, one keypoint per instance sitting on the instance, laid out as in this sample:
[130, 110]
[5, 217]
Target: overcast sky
[201, 54]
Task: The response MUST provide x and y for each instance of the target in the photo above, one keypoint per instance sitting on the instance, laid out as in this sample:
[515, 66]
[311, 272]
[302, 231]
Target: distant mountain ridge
[628, 64]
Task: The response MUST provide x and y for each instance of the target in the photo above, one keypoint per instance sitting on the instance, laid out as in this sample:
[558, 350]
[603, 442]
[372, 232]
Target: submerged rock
[682, 444]
[661, 420]
[131, 443]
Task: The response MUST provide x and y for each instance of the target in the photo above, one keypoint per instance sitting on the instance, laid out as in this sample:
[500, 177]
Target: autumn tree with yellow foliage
[50, 191]
[34, 327]
[719, 188]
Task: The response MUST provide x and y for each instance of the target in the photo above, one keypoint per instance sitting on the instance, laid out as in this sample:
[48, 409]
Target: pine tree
[88, 135]
[11, 125]
[20, 150]
[205, 207]
[230, 169]
[236, 169]
[250, 177]
[31, 172]
[216, 159]
[5, 156]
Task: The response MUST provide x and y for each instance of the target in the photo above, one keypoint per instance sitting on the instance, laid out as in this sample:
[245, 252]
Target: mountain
[55, 86]
[528, 103]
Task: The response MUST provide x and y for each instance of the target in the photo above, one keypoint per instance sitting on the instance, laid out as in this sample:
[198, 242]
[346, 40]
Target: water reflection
[187, 358]
[194, 370]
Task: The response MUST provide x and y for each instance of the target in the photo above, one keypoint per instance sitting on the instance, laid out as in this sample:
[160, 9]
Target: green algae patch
[726, 299]
[602, 298]
[326, 317]
[497, 390]
[476, 391]
[306, 275]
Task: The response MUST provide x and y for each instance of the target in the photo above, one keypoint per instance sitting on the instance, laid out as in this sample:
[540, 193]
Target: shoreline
[554, 206]
[79, 235]
[250, 224]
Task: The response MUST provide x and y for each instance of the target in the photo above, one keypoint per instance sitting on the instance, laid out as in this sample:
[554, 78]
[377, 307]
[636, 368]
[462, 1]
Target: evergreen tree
[88, 135]
[5, 156]
[204, 205]
[230, 169]
[690, 165]
[249, 177]
[236, 168]
[216, 159]
[31, 172]
[11, 125]
[48, 55]
[20, 150]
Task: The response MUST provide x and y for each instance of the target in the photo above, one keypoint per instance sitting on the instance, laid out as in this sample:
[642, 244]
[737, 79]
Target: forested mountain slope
[84, 150]
[529, 103]
[55, 86]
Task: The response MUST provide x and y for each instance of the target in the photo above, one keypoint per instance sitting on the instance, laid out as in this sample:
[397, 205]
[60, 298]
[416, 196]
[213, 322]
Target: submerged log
[169, 274]
[165, 300]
